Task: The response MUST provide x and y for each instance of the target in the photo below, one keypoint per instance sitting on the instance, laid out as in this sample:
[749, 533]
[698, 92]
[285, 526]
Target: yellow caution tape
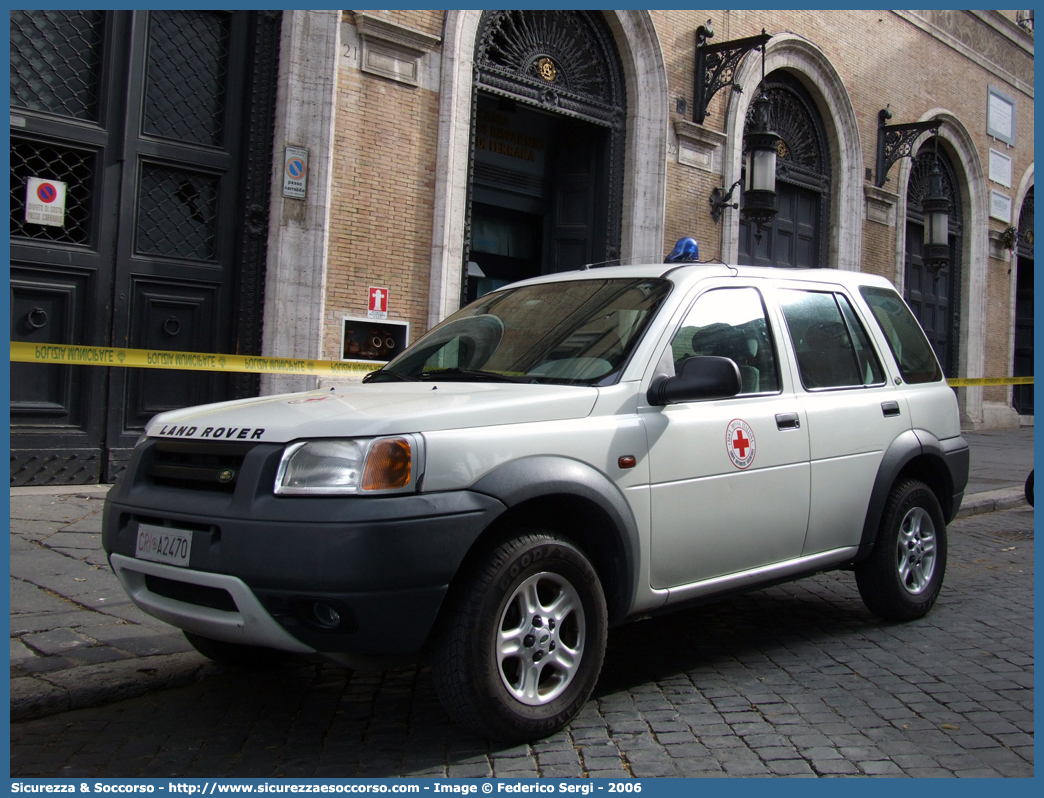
[965, 382]
[22, 352]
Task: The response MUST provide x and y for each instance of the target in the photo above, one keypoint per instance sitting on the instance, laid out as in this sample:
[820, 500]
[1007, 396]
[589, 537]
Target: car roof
[689, 273]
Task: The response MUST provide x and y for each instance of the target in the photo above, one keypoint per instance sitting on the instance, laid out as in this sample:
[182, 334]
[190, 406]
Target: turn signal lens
[388, 465]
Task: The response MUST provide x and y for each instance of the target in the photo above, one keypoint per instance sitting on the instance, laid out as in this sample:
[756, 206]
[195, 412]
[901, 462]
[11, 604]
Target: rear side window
[913, 353]
[832, 348]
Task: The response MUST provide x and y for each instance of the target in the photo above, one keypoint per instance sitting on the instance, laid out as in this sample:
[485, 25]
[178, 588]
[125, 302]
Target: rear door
[853, 412]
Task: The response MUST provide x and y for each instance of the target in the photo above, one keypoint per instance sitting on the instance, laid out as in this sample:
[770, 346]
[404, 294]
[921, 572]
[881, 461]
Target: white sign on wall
[1000, 206]
[295, 172]
[1000, 116]
[1000, 168]
[45, 202]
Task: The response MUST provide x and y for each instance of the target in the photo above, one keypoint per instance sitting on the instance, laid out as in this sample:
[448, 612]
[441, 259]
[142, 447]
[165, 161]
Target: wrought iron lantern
[759, 188]
[936, 208]
[758, 201]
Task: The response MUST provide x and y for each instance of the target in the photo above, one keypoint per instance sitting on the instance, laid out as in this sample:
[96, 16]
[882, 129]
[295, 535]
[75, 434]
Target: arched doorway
[1022, 396]
[545, 174]
[798, 235]
[935, 297]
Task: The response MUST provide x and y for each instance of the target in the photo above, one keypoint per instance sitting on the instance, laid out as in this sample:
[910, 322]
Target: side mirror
[700, 378]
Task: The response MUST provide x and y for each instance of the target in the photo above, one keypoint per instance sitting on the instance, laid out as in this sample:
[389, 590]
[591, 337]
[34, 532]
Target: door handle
[788, 421]
[890, 409]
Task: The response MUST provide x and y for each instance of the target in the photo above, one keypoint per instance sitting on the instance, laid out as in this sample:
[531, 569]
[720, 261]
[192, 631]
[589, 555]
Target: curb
[92, 685]
[60, 490]
[991, 500]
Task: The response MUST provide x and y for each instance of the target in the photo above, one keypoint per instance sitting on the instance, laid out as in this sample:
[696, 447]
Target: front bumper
[259, 563]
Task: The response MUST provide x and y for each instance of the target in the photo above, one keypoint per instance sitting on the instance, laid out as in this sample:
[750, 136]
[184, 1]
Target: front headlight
[345, 465]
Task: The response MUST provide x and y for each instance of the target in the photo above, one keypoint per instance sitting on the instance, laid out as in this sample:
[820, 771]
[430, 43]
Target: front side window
[832, 348]
[913, 353]
[570, 333]
[730, 322]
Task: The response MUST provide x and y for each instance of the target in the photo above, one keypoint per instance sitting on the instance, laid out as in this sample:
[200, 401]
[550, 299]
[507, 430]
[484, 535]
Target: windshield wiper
[382, 375]
[465, 374]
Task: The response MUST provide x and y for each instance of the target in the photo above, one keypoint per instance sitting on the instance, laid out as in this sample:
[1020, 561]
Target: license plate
[163, 544]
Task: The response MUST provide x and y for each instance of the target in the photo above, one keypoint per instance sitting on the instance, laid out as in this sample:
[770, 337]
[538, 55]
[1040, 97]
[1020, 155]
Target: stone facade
[397, 142]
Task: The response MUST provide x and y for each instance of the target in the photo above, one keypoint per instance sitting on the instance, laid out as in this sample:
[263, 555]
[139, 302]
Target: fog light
[325, 615]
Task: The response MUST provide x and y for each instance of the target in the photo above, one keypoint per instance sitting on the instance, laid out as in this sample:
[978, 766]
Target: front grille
[198, 465]
[200, 595]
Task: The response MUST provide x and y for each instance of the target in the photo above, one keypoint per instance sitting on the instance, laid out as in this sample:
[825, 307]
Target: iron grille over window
[802, 155]
[562, 59]
[187, 75]
[177, 213]
[55, 57]
[75, 168]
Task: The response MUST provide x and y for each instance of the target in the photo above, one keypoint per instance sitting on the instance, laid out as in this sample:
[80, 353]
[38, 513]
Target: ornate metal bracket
[896, 141]
[720, 200]
[716, 65]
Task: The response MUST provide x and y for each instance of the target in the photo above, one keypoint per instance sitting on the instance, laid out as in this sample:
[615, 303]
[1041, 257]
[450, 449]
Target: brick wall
[383, 187]
[385, 150]
[882, 58]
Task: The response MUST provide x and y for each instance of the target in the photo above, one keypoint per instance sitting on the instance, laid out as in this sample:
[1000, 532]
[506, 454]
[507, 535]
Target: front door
[929, 296]
[797, 236]
[146, 119]
[545, 181]
[539, 196]
[729, 478]
[934, 297]
[791, 239]
[1022, 396]
[580, 197]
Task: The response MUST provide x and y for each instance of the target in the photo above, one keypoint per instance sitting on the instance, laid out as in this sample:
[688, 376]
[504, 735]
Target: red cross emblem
[740, 444]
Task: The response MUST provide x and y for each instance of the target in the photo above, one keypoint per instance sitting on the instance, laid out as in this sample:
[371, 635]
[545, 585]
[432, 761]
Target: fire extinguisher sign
[378, 304]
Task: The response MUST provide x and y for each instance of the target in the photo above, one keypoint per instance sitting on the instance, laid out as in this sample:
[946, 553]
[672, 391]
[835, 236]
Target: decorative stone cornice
[998, 248]
[391, 50]
[880, 204]
[698, 146]
[987, 38]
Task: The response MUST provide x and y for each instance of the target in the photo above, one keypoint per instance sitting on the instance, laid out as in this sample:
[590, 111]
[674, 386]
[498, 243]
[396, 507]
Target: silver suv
[560, 456]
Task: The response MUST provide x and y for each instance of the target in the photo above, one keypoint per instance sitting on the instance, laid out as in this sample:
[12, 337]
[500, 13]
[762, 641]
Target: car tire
[1029, 488]
[903, 575]
[521, 645]
[237, 655]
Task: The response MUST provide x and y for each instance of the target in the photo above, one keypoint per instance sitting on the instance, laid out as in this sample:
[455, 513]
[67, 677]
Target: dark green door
[159, 123]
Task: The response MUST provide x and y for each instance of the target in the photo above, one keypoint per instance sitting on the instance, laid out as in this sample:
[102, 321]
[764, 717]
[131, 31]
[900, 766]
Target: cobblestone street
[798, 680]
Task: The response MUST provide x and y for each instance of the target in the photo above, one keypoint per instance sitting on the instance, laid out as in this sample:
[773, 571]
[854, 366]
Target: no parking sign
[45, 202]
[295, 172]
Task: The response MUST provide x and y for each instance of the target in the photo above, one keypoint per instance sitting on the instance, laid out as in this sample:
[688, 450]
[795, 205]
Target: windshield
[570, 333]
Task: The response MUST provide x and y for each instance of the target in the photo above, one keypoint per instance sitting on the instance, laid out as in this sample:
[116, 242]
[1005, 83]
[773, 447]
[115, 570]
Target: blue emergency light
[687, 250]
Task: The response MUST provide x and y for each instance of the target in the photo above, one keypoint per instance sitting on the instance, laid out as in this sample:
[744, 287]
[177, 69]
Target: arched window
[798, 234]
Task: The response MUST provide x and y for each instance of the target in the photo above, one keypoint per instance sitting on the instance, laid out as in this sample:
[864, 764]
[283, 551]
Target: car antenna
[640, 259]
[729, 266]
